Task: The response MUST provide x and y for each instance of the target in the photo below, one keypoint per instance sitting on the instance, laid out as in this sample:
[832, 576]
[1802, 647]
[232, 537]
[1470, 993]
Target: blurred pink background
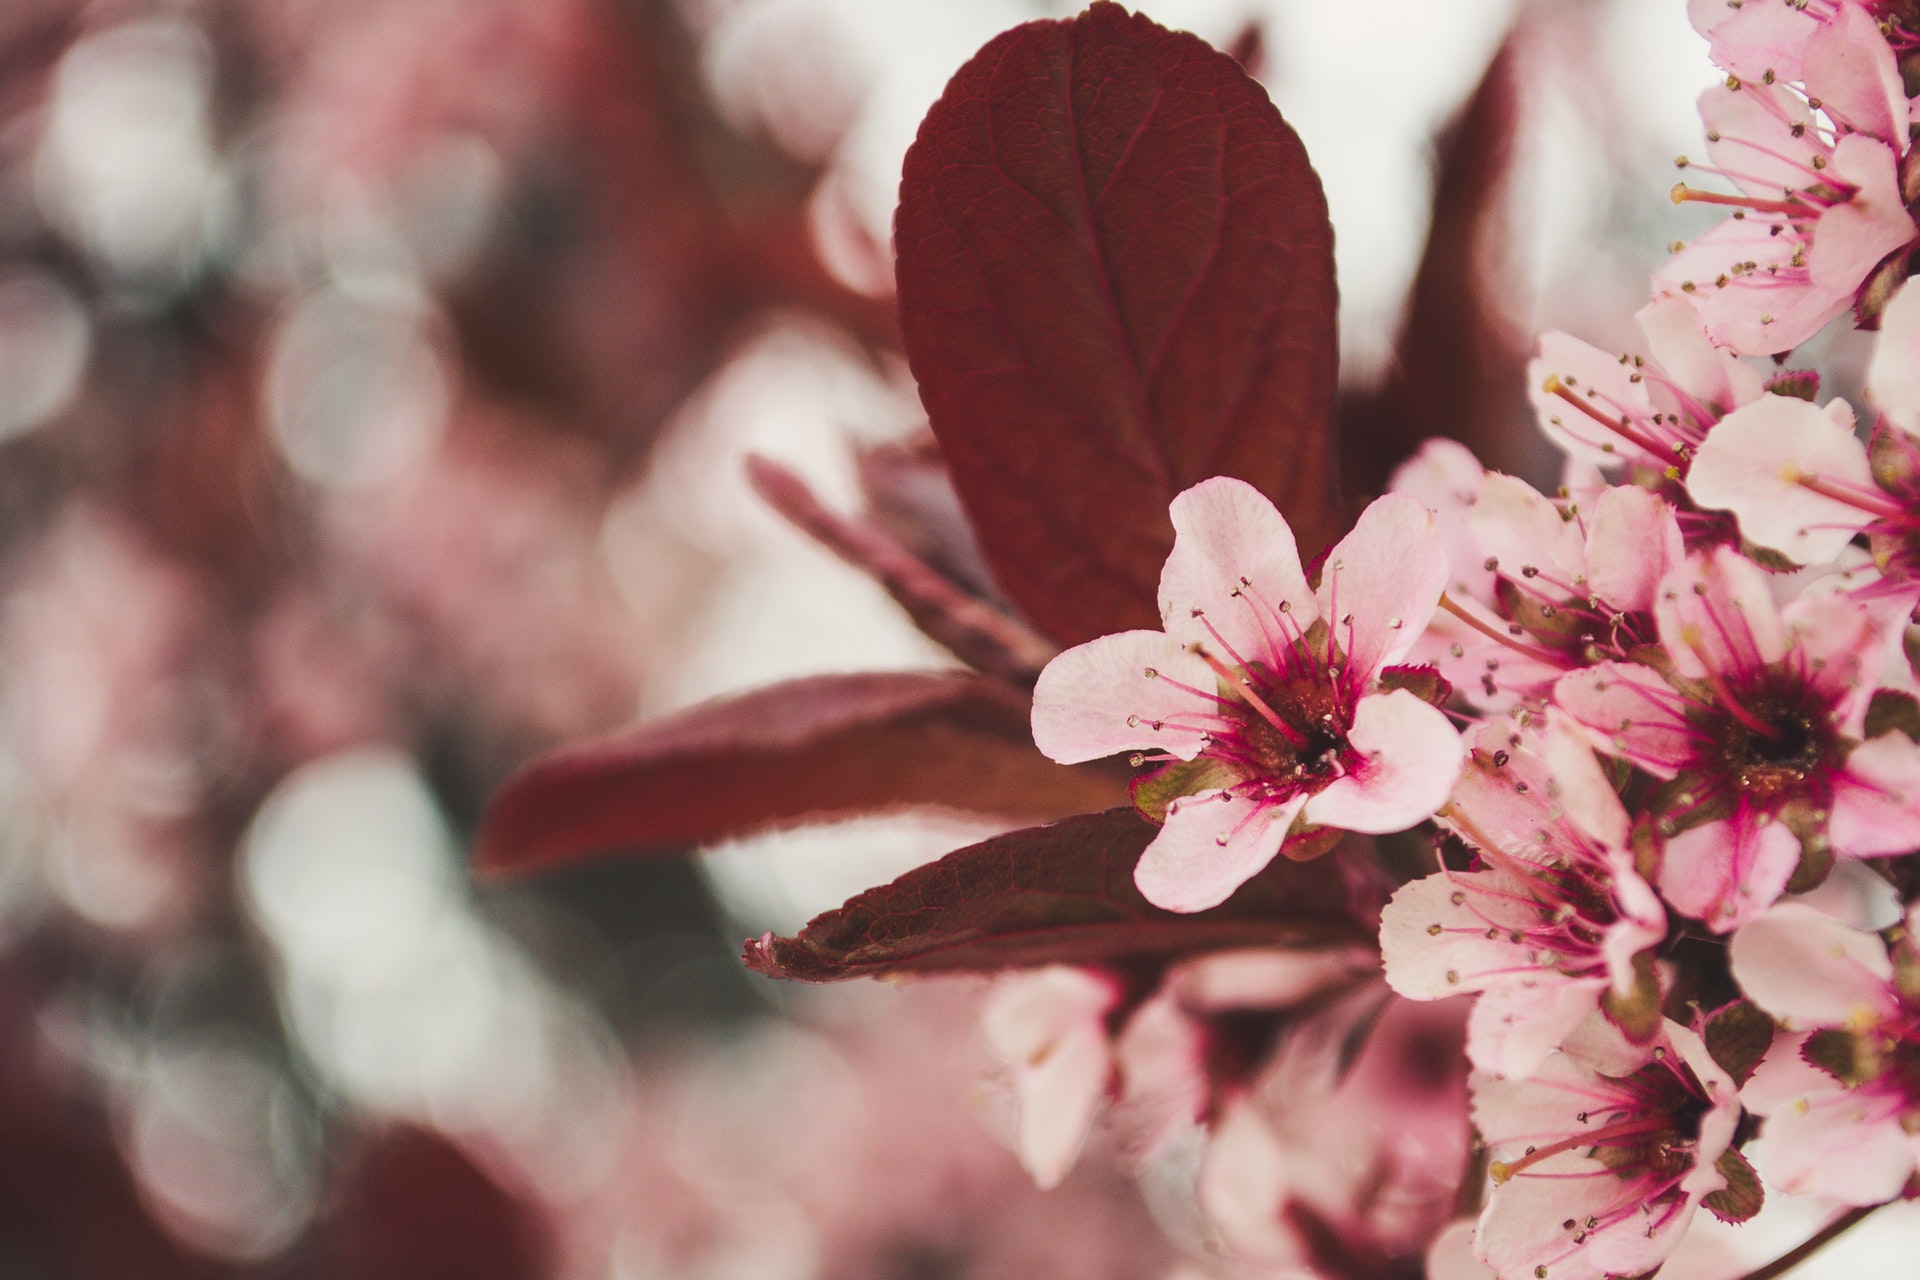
[374, 381]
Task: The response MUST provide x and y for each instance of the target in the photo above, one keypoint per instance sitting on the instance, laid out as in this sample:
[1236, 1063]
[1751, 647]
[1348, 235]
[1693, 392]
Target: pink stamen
[1494, 633]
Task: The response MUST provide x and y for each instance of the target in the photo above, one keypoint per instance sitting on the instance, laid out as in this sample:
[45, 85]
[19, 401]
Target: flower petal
[1517, 1026]
[1584, 794]
[1893, 377]
[1752, 464]
[1096, 699]
[1209, 847]
[1810, 970]
[1849, 67]
[1629, 711]
[1716, 615]
[1751, 134]
[1725, 873]
[1453, 932]
[1876, 801]
[1382, 582]
[1590, 373]
[1844, 1146]
[1049, 1025]
[1712, 376]
[1235, 561]
[1850, 239]
[1410, 757]
[1522, 530]
[1632, 539]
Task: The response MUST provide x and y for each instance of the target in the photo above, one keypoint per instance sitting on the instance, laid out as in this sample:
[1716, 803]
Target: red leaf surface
[1056, 894]
[821, 747]
[1116, 279]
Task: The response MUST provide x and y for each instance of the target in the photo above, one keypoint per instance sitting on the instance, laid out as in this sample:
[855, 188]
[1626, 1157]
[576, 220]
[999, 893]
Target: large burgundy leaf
[1057, 894]
[820, 747]
[1116, 279]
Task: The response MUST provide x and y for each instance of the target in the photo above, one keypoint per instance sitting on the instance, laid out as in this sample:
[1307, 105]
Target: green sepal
[1743, 1195]
[1153, 792]
[1737, 1036]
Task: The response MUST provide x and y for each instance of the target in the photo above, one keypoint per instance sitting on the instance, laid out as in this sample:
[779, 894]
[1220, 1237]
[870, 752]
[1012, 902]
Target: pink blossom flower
[1565, 583]
[1262, 698]
[1649, 412]
[1841, 1085]
[1599, 1167]
[1757, 721]
[1364, 1147]
[1553, 917]
[1813, 140]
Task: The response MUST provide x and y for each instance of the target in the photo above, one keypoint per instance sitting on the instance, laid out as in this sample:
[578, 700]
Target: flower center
[1774, 743]
[1311, 735]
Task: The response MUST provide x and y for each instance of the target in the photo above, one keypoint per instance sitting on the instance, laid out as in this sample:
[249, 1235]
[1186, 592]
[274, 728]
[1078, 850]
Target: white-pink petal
[1584, 794]
[1876, 800]
[1753, 462]
[1851, 238]
[1751, 134]
[1097, 699]
[1451, 1255]
[1209, 847]
[1629, 710]
[1740, 313]
[1753, 39]
[1049, 1026]
[1893, 376]
[1849, 67]
[1452, 932]
[1726, 872]
[1522, 530]
[1716, 615]
[1809, 970]
[1408, 758]
[1632, 540]
[1710, 375]
[1382, 582]
[1226, 531]
[1516, 1027]
[1849, 1147]
[1599, 379]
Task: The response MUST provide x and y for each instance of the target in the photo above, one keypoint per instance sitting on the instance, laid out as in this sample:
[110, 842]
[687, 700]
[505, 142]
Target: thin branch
[1814, 1243]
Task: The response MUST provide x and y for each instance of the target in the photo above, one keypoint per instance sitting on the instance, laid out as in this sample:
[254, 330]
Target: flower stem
[1813, 1244]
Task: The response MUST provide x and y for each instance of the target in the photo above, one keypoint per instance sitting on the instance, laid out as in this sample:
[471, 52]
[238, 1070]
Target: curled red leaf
[822, 747]
[1062, 893]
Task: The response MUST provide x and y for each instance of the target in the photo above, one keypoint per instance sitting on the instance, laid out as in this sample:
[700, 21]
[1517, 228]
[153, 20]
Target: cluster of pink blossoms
[1648, 717]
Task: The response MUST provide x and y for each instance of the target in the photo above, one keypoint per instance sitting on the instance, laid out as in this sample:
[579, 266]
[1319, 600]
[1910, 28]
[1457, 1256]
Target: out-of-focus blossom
[1049, 1026]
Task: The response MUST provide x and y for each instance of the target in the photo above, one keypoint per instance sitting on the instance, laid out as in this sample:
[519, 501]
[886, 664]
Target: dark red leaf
[414, 1207]
[1116, 279]
[972, 630]
[1057, 894]
[820, 747]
